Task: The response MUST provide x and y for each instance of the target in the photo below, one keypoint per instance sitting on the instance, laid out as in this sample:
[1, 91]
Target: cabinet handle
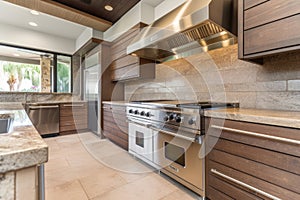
[214, 171]
[281, 139]
[73, 105]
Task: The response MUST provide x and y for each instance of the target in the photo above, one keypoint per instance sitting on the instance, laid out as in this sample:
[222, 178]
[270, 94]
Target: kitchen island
[22, 154]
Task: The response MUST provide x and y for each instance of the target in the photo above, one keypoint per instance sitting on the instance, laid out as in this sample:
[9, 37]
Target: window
[26, 70]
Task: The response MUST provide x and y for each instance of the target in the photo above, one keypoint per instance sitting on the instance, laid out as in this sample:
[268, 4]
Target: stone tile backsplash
[219, 75]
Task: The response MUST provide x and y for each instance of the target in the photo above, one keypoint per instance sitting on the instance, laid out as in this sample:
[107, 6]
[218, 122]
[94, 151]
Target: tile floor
[84, 167]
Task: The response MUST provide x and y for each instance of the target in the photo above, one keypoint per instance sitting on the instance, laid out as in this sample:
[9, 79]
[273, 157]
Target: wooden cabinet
[267, 27]
[126, 67]
[115, 126]
[251, 161]
[73, 117]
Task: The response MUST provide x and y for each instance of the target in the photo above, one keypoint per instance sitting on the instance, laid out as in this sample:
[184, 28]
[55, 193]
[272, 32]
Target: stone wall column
[46, 78]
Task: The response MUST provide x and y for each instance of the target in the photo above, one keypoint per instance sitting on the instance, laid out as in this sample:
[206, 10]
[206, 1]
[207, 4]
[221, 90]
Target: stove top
[207, 104]
[185, 104]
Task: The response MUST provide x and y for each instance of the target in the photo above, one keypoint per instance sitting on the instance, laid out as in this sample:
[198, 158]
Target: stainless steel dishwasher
[45, 118]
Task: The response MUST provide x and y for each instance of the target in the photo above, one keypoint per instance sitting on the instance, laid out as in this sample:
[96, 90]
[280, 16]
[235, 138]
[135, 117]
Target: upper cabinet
[127, 67]
[268, 27]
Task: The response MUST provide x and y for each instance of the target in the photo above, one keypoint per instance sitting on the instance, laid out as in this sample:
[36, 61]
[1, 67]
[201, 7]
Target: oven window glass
[139, 139]
[175, 153]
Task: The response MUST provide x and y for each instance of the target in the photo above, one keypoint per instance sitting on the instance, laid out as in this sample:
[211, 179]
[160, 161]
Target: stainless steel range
[168, 136]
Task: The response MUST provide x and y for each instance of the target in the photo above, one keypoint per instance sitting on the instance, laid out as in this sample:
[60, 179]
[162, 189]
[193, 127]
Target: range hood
[196, 26]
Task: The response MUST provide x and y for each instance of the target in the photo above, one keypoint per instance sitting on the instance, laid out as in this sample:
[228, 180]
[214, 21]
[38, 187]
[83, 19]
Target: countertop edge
[242, 115]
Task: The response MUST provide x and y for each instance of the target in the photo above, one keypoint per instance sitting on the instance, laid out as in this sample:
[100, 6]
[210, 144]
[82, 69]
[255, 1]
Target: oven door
[140, 141]
[179, 159]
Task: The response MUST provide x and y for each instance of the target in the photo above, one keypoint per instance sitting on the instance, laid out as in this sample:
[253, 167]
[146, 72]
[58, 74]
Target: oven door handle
[138, 123]
[173, 134]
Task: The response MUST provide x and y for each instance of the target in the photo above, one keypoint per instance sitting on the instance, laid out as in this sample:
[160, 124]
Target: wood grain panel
[272, 175]
[282, 147]
[279, 34]
[124, 61]
[270, 11]
[214, 194]
[251, 3]
[261, 155]
[230, 190]
[125, 73]
[250, 180]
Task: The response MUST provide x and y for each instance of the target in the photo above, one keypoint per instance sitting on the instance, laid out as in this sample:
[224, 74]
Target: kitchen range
[168, 135]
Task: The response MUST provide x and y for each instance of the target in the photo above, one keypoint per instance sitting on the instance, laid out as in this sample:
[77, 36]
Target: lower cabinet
[73, 117]
[249, 161]
[115, 126]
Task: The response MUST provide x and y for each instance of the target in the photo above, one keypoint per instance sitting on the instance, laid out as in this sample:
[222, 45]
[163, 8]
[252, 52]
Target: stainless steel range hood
[196, 26]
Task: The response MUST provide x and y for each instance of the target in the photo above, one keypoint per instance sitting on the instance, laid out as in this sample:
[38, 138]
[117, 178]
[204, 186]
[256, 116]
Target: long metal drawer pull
[42, 107]
[173, 134]
[73, 105]
[281, 139]
[214, 171]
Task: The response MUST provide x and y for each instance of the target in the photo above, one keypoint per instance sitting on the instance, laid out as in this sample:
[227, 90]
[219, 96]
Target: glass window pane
[20, 77]
[63, 74]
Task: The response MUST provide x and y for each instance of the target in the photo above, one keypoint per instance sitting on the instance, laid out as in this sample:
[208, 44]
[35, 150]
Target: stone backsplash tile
[219, 75]
[294, 85]
[278, 100]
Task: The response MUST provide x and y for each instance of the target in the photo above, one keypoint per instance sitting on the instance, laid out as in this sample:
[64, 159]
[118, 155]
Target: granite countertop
[23, 147]
[56, 102]
[270, 117]
[122, 103]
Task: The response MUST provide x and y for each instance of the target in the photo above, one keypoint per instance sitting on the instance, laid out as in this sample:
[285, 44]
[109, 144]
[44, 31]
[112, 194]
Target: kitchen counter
[120, 103]
[23, 147]
[55, 102]
[269, 117]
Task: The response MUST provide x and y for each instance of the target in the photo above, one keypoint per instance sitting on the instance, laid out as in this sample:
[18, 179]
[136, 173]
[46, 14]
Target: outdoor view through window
[23, 70]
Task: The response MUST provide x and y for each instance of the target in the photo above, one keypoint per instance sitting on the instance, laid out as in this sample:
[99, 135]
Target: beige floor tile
[100, 183]
[152, 187]
[179, 195]
[86, 167]
[57, 163]
[67, 191]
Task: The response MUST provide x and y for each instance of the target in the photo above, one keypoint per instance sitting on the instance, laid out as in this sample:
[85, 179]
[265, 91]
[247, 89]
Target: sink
[6, 122]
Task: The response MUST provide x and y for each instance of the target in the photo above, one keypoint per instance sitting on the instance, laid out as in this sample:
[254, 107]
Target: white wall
[86, 35]
[33, 39]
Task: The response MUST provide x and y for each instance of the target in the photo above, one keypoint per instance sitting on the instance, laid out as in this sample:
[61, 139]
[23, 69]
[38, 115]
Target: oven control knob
[172, 116]
[148, 114]
[142, 113]
[136, 112]
[166, 118]
[130, 111]
[191, 121]
[178, 119]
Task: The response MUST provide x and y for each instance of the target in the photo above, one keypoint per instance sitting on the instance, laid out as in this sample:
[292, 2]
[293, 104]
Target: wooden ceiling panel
[96, 7]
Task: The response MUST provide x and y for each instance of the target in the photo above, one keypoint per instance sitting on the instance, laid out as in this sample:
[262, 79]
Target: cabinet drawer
[251, 3]
[72, 127]
[216, 170]
[131, 71]
[270, 11]
[124, 61]
[270, 174]
[277, 35]
[233, 131]
[70, 120]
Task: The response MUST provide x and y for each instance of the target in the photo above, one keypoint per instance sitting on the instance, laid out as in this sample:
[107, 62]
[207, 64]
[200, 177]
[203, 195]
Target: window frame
[53, 73]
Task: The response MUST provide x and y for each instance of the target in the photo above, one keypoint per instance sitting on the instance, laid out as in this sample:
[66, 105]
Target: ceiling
[19, 16]
[19, 53]
[96, 7]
